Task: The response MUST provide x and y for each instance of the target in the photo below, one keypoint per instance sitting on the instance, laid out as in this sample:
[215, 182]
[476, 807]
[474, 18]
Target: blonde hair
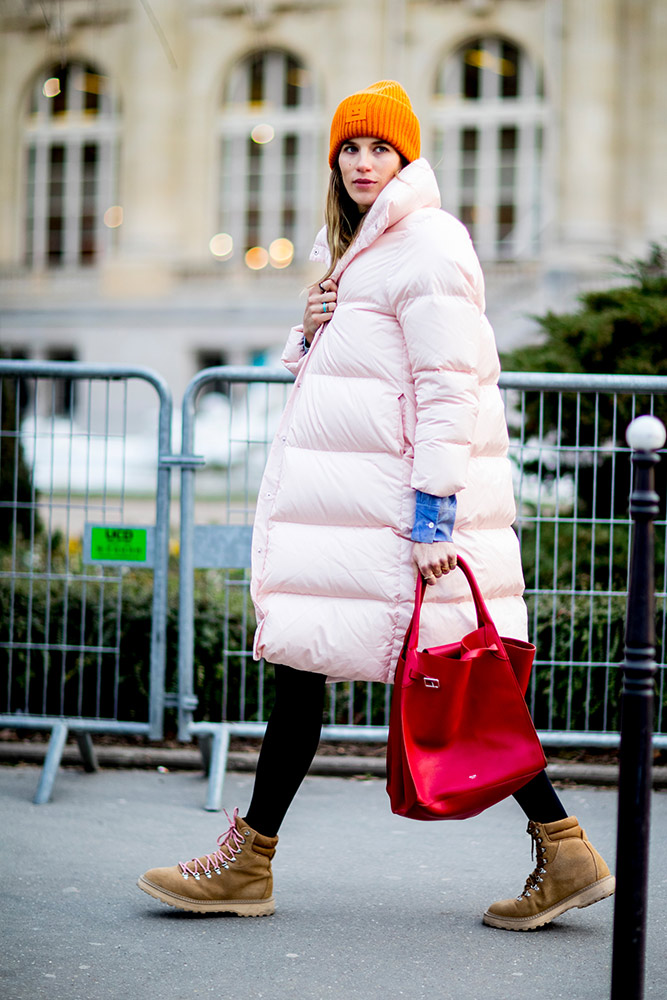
[342, 216]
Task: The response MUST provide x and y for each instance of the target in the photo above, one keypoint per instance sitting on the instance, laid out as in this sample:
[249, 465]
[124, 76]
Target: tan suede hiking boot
[569, 873]
[235, 878]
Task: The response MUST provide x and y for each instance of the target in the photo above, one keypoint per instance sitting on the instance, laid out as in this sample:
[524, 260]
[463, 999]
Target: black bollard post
[644, 435]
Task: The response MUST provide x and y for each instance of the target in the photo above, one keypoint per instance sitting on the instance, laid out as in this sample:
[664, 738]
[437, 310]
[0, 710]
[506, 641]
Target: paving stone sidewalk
[370, 906]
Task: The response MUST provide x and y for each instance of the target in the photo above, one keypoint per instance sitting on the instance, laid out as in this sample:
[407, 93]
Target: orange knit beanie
[382, 111]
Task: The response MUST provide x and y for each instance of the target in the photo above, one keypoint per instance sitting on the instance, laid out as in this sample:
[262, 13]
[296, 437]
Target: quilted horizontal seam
[341, 451]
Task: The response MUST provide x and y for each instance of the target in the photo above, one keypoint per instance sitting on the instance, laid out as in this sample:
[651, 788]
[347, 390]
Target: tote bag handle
[483, 615]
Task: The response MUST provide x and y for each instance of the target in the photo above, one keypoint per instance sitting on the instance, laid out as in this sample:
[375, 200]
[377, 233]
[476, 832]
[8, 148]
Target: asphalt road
[370, 906]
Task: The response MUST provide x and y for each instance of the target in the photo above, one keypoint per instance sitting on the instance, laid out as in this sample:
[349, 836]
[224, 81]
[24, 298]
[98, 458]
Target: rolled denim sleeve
[434, 518]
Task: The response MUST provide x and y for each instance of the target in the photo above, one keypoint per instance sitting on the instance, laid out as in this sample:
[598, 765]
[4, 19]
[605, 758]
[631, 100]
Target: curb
[190, 759]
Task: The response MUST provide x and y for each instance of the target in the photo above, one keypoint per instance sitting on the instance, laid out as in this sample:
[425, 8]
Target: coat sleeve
[437, 294]
[294, 354]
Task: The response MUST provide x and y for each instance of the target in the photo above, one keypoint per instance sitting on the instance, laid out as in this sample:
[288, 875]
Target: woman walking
[391, 458]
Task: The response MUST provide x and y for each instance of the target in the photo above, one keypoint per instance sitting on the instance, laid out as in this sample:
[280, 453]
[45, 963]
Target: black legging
[292, 735]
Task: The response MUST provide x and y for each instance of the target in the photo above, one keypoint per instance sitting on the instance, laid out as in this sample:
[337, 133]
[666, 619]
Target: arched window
[490, 117]
[269, 128]
[70, 143]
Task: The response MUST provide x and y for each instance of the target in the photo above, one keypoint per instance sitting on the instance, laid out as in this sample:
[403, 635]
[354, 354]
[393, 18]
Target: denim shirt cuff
[434, 518]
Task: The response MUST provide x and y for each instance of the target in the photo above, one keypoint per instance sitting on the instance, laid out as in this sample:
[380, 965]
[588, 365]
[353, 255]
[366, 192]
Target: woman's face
[367, 165]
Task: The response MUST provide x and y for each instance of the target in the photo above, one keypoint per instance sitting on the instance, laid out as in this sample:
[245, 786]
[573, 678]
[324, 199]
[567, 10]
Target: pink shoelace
[230, 841]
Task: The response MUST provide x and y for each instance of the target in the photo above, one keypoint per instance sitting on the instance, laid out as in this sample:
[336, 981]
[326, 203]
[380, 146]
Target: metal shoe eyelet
[246, 833]
[185, 875]
[225, 865]
[232, 859]
[207, 874]
[217, 871]
[197, 876]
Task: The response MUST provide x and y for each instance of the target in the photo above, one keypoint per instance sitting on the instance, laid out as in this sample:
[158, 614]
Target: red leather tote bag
[460, 734]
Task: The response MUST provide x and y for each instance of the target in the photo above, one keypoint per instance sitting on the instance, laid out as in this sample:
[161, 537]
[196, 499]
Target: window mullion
[40, 214]
[275, 68]
[235, 194]
[490, 77]
[305, 195]
[527, 78]
[272, 160]
[271, 190]
[75, 94]
[487, 190]
[72, 208]
[526, 193]
[240, 88]
[104, 194]
[450, 169]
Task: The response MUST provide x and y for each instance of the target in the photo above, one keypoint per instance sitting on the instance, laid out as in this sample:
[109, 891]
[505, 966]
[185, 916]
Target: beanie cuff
[383, 111]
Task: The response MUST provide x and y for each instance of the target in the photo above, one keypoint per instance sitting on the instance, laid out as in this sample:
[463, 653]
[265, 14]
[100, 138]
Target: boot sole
[585, 897]
[239, 907]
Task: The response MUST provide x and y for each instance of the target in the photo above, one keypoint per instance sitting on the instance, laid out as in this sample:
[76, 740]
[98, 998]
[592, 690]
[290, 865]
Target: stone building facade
[163, 165]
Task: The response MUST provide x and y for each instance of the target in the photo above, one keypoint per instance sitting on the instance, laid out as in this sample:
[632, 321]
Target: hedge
[85, 683]
[103, 612]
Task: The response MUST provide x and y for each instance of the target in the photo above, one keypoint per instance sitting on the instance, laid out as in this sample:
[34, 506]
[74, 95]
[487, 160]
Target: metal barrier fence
[71, 466]
[572, 481]
[71, 556]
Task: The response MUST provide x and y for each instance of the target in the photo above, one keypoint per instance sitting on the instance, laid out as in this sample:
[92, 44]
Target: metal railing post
[187, 700]
[644, 435]
[160, 571]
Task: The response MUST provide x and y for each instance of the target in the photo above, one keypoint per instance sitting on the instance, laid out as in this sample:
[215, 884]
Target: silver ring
[324, 307]
[322, 288]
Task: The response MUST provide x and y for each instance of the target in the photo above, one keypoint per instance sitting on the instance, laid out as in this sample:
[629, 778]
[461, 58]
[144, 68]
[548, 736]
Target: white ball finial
[646, 434]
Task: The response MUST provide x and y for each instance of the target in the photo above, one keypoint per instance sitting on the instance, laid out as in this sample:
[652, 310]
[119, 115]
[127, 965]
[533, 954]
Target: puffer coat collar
[414, 188]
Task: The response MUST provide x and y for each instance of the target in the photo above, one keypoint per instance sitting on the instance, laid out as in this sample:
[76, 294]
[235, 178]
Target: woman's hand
[320, 307]
[433, 560]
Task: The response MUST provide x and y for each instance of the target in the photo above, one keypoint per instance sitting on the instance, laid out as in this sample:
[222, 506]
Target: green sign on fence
[118, 544]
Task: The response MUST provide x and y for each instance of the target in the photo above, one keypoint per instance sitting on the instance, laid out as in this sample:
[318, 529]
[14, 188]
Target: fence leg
[51, 763]
[87, 751]
[645, 435]
[217, 768]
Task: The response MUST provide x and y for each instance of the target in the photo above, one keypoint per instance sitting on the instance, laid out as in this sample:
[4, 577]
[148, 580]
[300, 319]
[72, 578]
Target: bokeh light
[281, 252]
[113, 217]
[256, 258]
[51, 87]
[221, 246]
[262, 134]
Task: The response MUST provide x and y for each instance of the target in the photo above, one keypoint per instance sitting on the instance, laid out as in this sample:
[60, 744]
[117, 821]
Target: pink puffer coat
[397, 393]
